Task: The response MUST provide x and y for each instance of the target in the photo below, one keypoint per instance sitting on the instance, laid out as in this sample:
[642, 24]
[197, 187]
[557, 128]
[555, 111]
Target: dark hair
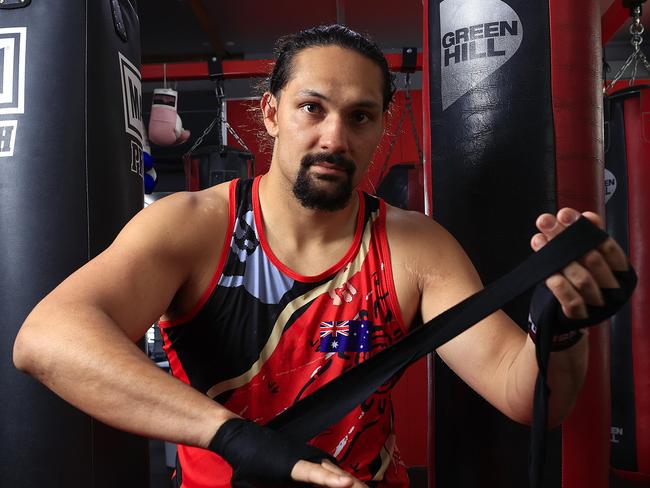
[288, 46]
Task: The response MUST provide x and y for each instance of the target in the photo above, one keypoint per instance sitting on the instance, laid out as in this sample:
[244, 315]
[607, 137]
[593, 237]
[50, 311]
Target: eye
[311, 108]
[360, 117]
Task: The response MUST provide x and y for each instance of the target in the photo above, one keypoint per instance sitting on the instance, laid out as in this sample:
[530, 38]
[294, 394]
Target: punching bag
[515, 130]
[627, 175]
[70, 178]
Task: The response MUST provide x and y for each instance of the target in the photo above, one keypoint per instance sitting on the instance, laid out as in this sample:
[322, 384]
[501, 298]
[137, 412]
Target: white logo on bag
[7, 137]
[12, 84]
[12, 76]
[477, 38]
[132, 100]
[610, 185]
[132, 96]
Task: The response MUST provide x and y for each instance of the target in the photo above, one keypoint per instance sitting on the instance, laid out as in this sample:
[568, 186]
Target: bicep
[482, 354]
[132, 282]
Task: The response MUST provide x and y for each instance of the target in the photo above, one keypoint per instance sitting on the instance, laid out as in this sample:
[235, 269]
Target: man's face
[327, 124]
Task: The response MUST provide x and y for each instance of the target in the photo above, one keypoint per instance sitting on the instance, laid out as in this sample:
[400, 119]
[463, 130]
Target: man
[270, 288]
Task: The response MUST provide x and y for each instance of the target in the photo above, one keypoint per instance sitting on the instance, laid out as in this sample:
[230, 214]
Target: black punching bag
[70, 178]
[627, 175]
[515, 131]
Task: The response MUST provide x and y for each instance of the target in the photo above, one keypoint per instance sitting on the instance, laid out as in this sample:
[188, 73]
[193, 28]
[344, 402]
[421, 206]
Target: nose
[334, 136]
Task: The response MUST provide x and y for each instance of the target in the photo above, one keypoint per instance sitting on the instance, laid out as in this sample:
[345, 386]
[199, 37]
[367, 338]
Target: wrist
[561, 340]
[212, 426]
[247, 447]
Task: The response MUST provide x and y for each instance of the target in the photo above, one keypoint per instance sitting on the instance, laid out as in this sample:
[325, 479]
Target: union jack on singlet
[262, 337]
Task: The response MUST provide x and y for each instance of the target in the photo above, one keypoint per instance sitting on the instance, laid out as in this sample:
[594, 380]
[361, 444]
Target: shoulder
[180, 222]
[417, 236]
[427, 260]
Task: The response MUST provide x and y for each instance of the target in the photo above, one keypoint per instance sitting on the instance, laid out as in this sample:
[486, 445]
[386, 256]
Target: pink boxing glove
[165, 126]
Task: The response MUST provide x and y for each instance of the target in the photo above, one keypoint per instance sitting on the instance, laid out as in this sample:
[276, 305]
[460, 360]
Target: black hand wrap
[550, 322]
[546, 312]
[260, 456]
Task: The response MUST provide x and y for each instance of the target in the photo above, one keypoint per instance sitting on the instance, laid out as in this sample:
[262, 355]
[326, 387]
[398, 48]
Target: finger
[596, 264]
[610, 249]
[595, 219]
[583, 281]
[572, 303]
[315, 474]
[568, 216]
[327, 464]
[551, 225]
[609, 256]
[614, 255]
[538, 241]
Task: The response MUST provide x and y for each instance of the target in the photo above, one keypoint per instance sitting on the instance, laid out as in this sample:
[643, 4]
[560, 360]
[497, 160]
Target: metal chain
[230, 129]
[416, 136]
[408, 109]
[236, 136]
[636, 30]
[198, 142]
[393, 139]
[220, 95]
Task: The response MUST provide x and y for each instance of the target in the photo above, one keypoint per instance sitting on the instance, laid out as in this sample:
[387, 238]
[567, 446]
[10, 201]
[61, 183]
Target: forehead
[337, 71]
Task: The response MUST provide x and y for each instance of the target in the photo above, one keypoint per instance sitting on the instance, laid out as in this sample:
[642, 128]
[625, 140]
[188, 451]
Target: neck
[299, 227]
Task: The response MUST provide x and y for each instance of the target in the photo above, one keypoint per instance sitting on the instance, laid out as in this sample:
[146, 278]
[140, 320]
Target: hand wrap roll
[260, 456]
[546, 312]
[550, 321]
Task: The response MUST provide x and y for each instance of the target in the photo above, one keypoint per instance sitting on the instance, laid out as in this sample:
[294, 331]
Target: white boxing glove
[165, 126]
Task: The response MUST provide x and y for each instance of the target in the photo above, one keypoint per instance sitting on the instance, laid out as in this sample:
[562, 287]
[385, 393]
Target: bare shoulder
[154, 256]
[418, 239]
[181, 222]
[427, 262]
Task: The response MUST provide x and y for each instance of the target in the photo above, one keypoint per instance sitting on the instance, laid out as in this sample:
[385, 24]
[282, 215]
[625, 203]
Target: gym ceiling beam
[254, 68]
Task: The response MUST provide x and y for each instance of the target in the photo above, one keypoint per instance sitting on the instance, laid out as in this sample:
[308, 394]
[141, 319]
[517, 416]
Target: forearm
[566, 374]
[86, 359]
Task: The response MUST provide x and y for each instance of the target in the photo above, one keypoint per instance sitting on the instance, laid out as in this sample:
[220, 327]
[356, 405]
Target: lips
[331, 166]
[329, 163]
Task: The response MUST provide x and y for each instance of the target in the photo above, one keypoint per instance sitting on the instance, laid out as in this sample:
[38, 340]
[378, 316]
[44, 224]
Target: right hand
[324, 474]
[247, 447]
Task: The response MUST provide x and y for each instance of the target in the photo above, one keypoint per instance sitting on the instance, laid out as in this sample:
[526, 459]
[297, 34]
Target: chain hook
[636, 31]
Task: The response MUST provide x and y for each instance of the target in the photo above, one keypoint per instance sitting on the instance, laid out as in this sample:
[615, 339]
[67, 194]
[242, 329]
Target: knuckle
[609, 247]
[555, 282]
[583, 283]
[594, 259]
[575, 306]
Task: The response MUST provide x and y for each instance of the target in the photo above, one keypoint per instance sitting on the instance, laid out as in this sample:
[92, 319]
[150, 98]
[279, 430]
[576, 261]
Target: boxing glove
[165, 126]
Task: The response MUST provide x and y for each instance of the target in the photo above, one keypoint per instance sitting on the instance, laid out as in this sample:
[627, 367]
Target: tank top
[262, 337]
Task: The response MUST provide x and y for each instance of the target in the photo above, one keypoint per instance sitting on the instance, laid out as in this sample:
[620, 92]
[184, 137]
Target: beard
[324, 191]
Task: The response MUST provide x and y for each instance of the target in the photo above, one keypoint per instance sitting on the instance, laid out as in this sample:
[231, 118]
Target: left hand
[579, 283]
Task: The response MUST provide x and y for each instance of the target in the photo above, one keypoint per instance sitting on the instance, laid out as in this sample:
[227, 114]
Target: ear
[269, 106]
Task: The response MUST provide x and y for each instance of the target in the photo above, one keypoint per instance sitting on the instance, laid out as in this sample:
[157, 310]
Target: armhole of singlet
[382, 235]
[225, 248]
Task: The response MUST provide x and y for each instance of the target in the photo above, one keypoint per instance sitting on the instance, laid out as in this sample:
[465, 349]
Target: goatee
[335, 191]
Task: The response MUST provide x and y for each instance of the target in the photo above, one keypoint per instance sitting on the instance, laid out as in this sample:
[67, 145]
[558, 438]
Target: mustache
[342, 162]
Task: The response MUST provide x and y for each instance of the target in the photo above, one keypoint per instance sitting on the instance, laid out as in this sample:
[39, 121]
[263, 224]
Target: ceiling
[191, 29]
[182, 30]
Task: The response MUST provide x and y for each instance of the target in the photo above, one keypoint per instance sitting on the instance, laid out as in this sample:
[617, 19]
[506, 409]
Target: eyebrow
[360, 103]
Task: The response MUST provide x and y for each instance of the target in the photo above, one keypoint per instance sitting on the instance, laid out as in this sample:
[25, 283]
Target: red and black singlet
[263, 337]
